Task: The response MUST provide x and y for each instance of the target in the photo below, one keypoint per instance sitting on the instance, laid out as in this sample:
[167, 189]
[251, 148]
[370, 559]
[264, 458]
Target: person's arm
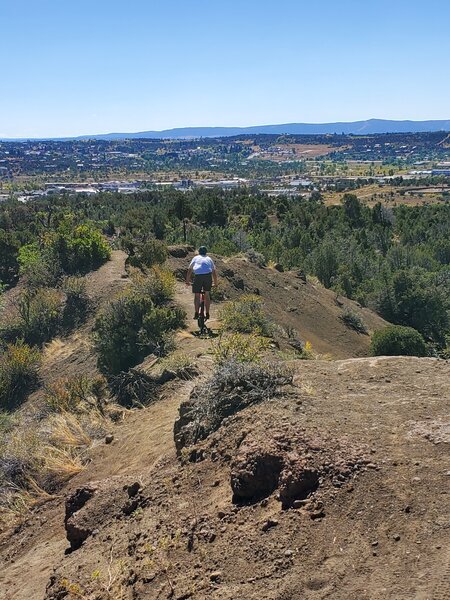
[189, 275]
[214, 273]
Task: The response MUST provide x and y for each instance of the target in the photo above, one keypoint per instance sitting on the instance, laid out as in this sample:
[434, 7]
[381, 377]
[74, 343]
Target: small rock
[216, 576]
[317, 514]
[407, 508]
[109, 438]
[416, 480]
[288, 553]
[375, 543]
[133, 489]
[396, 537]
[269, 524]
[300, 503]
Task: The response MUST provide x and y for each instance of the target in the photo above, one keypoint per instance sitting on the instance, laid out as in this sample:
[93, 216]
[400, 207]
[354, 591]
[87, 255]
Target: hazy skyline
[99, 67]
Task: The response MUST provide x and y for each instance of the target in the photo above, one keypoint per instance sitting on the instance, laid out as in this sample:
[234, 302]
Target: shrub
[246, 315]
[77, 301]
[18, 373]
[152, 252]
[66, 395]
[181, 365]
[39, 268]
[353, 320]
[396, 340]
[217, 294]
[40, 314]
[136, 323]
[232, 387]
[238, 347]
[80, 248]
[302, 350]
[158, 285]
[256, 257]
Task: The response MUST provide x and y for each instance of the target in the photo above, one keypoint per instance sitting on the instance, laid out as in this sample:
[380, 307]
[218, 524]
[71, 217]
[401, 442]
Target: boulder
[180, 251]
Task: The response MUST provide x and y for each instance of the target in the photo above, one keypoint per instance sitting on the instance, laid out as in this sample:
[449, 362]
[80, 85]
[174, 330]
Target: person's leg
[207, 304]
[196, 304]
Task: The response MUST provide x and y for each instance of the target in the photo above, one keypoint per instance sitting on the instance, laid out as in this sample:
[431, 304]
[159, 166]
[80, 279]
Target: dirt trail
[73, 355]
[145, 438]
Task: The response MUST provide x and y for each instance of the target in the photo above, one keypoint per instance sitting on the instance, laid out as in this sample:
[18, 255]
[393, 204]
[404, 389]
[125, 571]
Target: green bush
[77, 301]
[40, 314]
[70, 249]
[240, 348]
[396, 340]
[38, 267]
[137, 323]
[18, 373]
[246, 315]
[152, 252]
[80, 249]
[158, 285]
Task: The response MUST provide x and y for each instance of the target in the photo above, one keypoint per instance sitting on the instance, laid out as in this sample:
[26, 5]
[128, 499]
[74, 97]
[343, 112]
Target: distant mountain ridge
[370, 126]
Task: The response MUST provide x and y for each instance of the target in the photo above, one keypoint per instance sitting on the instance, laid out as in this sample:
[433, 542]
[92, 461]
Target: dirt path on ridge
[144, 439]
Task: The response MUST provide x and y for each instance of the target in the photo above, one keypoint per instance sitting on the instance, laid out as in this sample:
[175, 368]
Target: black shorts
[202, 282]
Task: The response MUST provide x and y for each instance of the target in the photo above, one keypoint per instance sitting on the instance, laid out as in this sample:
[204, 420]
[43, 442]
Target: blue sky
[99, 66]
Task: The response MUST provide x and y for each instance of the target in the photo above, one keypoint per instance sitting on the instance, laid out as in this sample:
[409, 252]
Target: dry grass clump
[41, 450]
[181, 365]
[71, 394]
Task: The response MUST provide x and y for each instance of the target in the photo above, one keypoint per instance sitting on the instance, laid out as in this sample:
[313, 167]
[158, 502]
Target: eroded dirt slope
[292, 302]
[374, 525]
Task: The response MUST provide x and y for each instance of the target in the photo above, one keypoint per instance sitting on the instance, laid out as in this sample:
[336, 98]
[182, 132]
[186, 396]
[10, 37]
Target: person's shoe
[196, 315]
[207, 316]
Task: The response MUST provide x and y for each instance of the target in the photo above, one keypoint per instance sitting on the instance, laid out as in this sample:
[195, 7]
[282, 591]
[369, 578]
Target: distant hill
[370, 126]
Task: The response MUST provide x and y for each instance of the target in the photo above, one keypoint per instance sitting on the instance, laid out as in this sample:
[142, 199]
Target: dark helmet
[202, 250]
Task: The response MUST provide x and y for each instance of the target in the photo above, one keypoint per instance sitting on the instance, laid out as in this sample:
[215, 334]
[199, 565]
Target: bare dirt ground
[375, 431]
[391, 196]
[375, 528]
[297, 151]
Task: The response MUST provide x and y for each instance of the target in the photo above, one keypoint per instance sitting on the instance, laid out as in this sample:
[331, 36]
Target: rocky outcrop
[232, 388]
[180, 251]
[93, 505]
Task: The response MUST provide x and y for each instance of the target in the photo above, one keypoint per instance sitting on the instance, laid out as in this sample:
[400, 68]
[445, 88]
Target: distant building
[440, 172]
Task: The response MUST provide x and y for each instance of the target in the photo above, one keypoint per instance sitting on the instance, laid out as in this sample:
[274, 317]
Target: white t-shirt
[201, 265]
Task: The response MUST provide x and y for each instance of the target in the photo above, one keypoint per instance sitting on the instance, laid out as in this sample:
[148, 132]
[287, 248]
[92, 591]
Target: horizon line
[233, 127]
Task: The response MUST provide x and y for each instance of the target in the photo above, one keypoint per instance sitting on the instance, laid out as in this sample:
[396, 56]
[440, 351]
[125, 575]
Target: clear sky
[97, 66]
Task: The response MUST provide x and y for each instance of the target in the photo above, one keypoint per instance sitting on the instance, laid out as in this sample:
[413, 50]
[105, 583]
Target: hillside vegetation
[395, 261]
[148, 451]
